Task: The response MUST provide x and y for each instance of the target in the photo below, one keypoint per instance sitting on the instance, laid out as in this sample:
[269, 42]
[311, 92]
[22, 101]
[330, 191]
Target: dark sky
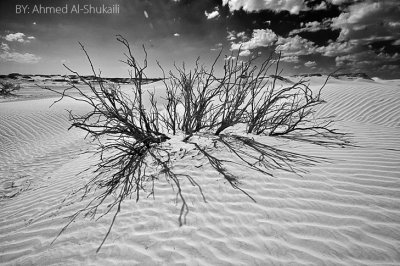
[312, 35]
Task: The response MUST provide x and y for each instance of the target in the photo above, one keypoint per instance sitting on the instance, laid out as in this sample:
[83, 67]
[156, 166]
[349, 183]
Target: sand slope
[344, 211]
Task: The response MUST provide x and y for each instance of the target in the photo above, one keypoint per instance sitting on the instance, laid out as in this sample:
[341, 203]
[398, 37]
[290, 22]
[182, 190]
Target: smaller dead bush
[8, 88]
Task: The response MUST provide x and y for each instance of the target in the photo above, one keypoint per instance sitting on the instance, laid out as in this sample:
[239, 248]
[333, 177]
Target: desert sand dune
[344, 210]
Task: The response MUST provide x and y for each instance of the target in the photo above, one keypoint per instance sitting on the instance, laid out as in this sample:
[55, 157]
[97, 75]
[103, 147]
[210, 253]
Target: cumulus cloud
[310, 64]
[296, 45]
[212, 14]
[361, 24]
[293, 6]
[321, 6]
[245, 53]
[366, 20]
[18, 37]
[369, 33]
[260, 38]
[313, 26]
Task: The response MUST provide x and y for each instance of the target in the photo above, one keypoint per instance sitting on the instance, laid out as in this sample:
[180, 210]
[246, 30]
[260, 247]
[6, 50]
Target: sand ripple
[344, 211]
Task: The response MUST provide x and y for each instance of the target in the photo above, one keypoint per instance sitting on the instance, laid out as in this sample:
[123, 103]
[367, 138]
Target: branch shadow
[257, 156]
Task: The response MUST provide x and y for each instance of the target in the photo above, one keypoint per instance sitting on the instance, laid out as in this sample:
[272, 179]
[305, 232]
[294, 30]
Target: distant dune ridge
[344, 210]
[68, 78]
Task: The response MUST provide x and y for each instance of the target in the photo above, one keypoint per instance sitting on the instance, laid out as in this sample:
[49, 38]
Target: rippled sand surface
[345, 210]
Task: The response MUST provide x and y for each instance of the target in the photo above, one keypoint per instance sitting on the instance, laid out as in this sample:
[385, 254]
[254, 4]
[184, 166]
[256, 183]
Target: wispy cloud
[8, 55]
[312, 26]
[18, 37]
[290, 59]
[25, 58]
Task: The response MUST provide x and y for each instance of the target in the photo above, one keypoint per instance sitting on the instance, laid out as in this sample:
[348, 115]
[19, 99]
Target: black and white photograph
[200, 132]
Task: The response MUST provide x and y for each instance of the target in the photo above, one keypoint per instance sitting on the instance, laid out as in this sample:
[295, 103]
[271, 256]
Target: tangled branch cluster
[132, 137]
[8, 88]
